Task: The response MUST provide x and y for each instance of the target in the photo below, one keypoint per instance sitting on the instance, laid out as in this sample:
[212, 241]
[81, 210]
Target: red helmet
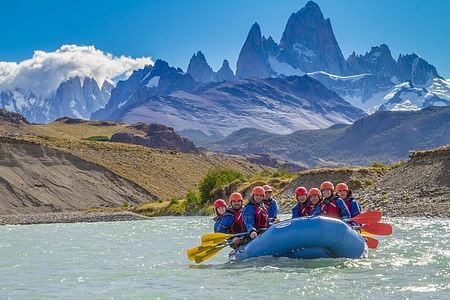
[341, 187]
[326, 185]
[219, 203]
[301, 191]
[267, 188]
[235, 197]
[258, 190]
[314, 192]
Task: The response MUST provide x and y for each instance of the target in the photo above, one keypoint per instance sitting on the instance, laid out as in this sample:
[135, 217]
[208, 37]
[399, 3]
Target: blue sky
[174, 30]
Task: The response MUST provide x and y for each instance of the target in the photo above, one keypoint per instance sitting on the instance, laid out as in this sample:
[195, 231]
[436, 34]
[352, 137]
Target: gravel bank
[69, 217]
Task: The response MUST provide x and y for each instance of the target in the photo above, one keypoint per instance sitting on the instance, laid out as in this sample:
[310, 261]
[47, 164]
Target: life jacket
[261, 216]
[329, 208]
[238, 223]
[305, 210]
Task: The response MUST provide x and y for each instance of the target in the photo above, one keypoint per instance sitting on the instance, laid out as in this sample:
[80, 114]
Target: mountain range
[385, 136]
[301, 82]
[277, 105]
[77, 97]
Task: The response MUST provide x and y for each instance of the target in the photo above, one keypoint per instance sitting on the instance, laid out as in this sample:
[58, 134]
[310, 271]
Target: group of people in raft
[262, 209]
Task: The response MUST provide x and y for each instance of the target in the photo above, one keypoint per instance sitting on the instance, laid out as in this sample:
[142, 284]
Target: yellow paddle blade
[203, 256]
[365, 233]
[196, 250]
[215, 236]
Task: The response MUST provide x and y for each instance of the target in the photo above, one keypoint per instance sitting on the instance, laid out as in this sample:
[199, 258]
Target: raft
[305, 238]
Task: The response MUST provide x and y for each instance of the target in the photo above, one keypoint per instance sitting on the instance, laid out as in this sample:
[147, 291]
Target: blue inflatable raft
[316, 237]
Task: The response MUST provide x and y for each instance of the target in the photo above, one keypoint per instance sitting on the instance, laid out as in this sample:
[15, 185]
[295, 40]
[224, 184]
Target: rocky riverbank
[69, 217]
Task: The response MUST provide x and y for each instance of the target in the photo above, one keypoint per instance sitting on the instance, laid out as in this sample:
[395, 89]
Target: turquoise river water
[147, 260]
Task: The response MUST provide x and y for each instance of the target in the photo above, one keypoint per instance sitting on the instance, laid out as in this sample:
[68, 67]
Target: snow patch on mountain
[282, 68]
[154, 82]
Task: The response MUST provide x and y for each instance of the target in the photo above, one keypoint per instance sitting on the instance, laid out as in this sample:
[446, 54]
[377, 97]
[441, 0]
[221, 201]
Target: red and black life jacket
[329, 208]
[238, 223]
[261, 216]
[305, 210]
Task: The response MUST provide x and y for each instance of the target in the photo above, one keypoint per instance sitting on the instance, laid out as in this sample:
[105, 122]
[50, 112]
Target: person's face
[301, 198]
[221, 210]
[236, 204]
[314, 199]
[267, 195]
[258, 198]
[342, 194]
[327, 193]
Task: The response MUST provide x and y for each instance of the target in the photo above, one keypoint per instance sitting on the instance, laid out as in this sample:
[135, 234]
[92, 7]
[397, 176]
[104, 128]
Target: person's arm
[276, 209]
[345, 214]
[296, 211]
[355, 208]
[224, 224]
[249, 218]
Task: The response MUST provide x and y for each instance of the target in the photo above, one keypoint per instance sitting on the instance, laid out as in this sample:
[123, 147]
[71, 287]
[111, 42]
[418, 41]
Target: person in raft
[315, 199]
[220, 207]
[271, 204]
[332, 206]
[256, 217]
[303, 207]
[345, 193]
[232, 221]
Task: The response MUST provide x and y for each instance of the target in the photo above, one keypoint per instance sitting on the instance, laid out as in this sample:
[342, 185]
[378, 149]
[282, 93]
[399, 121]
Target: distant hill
[384, 136]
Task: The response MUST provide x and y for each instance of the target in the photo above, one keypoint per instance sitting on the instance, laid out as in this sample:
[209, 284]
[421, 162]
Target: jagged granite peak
[225, 73]
[377, 61]
[308, 42]
[271, 46]
[199, 68]
[414, 68]
[253, 60]
[157, 80]
[78, 97]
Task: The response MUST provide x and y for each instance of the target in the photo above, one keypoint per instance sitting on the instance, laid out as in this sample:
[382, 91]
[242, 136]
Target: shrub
[174, 200]
[192, 201]
[214, 179]
[125, 204]
[378, 164]
[98, 138]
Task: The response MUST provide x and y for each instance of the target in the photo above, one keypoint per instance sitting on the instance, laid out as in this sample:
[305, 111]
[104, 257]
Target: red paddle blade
[378, 228]
[367, 217]
[371, 242]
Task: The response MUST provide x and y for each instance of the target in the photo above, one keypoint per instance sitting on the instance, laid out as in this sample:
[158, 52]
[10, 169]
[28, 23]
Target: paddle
[196, 250]
[207, 254]
[371, 242]
[217, 237]
[367, 217]
[377, 228]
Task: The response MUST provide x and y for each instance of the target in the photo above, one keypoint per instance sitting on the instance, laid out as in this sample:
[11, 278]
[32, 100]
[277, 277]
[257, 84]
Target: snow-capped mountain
[71, 81]
[407, 97]
[151, 81]
[79, 98]
[278, 105]
[308, 45]
[76, 98]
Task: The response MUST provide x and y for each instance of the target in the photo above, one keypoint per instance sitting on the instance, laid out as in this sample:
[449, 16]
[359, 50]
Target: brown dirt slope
[420, 188]
[35, 178]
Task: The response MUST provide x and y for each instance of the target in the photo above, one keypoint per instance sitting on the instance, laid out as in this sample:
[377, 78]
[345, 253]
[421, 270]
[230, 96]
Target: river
[147, 260]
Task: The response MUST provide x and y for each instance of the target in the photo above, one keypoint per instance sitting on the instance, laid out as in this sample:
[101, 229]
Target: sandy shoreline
[68, 217]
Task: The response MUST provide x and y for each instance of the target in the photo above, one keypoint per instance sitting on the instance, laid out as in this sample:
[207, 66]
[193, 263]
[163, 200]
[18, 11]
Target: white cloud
[42, 73]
